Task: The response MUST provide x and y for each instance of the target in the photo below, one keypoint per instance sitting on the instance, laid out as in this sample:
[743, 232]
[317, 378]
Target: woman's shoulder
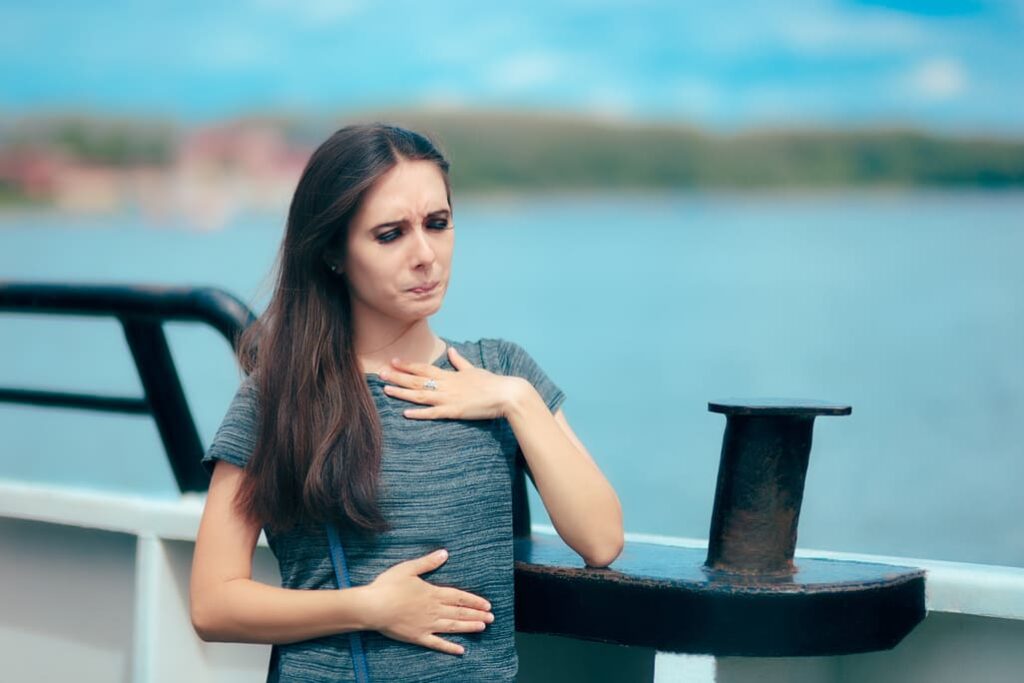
[506, 357]
[235, 439]
[492, 353]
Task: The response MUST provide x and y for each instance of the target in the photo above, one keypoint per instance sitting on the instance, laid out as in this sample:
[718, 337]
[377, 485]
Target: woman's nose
[423, 252]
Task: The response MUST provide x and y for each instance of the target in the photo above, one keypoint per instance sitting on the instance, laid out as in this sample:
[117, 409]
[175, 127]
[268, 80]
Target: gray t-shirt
[444, 484]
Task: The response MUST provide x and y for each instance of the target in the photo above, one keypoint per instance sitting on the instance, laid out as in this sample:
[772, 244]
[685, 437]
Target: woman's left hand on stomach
[468, 393]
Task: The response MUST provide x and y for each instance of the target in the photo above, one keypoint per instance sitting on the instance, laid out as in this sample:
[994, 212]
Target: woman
[356, 420]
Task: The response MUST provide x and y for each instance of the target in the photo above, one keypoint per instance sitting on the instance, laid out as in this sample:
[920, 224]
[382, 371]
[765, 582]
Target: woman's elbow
[203, 635]
[603, 554]
[201, 626]
[204, 621]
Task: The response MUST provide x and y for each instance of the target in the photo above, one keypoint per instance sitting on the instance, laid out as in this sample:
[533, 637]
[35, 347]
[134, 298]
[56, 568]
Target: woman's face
[401, 238]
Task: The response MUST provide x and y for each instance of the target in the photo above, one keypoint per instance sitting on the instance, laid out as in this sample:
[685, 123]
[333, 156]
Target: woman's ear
[332, 261]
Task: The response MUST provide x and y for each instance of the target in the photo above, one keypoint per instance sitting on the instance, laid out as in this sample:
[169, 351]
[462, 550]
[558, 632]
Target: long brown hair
[319, 442]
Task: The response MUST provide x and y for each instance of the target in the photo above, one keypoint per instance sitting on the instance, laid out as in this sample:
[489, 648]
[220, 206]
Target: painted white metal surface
[675, 668]
[176, 518]
[66, 603]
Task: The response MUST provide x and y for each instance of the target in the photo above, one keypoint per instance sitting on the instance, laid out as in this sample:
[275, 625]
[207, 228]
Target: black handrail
[142, 311]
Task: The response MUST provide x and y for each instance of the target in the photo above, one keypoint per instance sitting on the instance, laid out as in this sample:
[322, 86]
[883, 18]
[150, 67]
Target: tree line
[504, 151]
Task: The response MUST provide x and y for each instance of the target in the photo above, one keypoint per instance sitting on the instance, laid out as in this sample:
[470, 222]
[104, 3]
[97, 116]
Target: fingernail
[442, 553]
[487, 606]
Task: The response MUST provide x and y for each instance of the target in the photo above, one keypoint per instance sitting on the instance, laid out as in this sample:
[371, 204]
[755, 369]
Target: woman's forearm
[247, 611]
[581, 503]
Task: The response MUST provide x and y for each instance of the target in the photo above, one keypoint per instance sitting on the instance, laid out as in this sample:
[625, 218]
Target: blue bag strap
[359, 664]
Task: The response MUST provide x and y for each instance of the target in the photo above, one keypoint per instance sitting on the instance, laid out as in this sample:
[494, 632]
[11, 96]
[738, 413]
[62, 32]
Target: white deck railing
[94, 587]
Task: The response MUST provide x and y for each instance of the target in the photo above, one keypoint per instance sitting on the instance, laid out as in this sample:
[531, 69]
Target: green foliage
[105, 141]
[493, 151]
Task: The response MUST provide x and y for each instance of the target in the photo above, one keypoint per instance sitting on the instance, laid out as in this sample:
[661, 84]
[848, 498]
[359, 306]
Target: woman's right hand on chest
[407, 608]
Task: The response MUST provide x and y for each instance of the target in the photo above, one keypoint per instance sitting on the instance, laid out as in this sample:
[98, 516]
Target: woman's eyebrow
[402, 221]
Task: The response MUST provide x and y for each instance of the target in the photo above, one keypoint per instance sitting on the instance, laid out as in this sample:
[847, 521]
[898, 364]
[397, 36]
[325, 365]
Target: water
[906, 305]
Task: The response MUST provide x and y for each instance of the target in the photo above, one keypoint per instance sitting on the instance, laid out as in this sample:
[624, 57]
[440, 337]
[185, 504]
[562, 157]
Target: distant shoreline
[101, 162]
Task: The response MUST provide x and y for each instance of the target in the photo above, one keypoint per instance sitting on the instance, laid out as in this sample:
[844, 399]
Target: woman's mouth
[425, 289]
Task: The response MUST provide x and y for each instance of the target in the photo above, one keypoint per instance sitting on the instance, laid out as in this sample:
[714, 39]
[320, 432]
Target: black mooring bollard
[743, 596]
[765, 453]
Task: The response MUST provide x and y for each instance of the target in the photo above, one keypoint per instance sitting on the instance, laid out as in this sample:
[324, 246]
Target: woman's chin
[423, 309]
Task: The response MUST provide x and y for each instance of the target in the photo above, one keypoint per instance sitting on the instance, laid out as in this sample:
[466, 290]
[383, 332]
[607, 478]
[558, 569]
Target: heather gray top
[444, 483]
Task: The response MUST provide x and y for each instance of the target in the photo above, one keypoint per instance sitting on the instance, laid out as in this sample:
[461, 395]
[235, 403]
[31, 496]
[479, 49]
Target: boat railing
[681, 608]
[142, 311]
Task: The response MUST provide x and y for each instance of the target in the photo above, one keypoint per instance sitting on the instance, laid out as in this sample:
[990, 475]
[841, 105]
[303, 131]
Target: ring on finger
[430, 384]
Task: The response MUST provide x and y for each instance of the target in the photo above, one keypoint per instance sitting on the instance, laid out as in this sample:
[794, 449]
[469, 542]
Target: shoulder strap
[362, 669]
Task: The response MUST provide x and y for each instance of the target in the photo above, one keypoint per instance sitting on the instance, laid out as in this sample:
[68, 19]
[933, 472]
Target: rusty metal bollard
[765, 453]
[744, 595]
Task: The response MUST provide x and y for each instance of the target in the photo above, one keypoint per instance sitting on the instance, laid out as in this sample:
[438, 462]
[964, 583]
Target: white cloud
[804, 27]
[229, 50]
[834, 29]
[314, 13]
[443, 97]
[938, 78]
[527, 70]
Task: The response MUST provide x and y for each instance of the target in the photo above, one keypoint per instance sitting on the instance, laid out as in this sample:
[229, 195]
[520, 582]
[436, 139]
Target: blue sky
[943, 65]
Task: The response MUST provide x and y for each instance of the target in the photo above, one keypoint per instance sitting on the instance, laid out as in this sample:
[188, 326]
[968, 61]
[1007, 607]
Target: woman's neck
[416, 343]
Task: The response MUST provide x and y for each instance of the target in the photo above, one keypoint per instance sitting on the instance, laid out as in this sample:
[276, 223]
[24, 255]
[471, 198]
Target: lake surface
[907, 305]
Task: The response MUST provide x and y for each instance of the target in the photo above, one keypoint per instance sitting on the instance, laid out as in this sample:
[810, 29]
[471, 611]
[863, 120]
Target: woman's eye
[392, 235]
